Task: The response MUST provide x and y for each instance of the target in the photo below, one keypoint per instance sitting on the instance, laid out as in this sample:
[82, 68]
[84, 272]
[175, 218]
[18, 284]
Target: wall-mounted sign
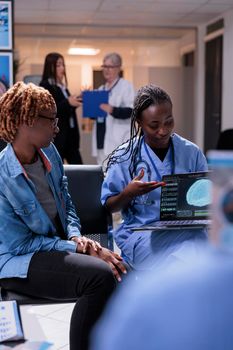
[5, 25]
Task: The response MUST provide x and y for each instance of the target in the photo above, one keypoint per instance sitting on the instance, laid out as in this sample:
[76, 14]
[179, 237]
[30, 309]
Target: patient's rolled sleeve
[66, 246]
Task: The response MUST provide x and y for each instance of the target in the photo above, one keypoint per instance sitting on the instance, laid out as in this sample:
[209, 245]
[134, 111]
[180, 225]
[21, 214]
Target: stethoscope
[112, 87]
[140, 163]
[101, 120]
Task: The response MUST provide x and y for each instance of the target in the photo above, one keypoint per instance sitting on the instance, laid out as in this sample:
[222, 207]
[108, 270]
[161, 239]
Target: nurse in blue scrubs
[134, 179]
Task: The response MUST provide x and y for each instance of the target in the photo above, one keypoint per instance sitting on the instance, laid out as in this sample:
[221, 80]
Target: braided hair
[21, 104]
[146, 96]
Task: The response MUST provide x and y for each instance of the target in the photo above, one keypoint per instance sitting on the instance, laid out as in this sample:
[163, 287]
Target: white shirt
[117, 130]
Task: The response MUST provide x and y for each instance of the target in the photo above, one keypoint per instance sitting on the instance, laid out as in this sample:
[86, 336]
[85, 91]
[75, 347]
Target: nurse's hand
[106, 108]
[137, 187]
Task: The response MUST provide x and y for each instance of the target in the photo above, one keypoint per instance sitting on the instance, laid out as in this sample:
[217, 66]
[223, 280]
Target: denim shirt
[25, 227]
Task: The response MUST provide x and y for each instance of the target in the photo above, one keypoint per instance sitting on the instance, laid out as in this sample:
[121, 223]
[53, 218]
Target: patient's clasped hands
[93, 248]
[83, 243]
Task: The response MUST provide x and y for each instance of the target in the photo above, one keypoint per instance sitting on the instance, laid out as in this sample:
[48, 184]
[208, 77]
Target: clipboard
[92, 100]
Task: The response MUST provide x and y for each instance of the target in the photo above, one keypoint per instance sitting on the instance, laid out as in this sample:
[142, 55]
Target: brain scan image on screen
[199, 193]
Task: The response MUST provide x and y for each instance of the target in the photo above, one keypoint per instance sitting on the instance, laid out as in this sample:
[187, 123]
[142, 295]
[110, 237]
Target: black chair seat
[23, 299]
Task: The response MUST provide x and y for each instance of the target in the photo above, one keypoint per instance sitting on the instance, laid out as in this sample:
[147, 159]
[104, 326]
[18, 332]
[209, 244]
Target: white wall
[199, 88]
[227, 83]
[136, 54]
[170, 79]
[178, 83]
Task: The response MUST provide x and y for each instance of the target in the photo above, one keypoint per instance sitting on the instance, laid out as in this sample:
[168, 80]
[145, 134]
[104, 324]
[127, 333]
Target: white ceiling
[114, 18]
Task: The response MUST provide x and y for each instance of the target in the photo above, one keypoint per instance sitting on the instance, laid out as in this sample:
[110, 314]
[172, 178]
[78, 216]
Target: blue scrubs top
[139, 247]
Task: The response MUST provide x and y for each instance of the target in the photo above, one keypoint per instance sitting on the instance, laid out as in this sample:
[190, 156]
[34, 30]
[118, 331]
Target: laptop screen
[186, 196]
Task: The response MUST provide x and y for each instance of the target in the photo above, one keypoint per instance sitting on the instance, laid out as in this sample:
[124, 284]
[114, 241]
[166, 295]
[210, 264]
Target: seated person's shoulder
[120, 160]
[121, 153]
[181, 141]
[6, 163]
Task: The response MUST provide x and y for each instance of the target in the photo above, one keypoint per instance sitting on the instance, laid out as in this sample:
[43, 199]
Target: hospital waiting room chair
[2, 144]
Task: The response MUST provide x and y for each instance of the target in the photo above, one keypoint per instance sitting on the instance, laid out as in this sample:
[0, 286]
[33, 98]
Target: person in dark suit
[55, 81]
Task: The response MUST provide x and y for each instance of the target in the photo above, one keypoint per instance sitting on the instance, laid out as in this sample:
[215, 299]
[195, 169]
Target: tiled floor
[48, 323]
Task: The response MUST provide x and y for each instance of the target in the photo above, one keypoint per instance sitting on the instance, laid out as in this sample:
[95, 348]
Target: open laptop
[185, 202]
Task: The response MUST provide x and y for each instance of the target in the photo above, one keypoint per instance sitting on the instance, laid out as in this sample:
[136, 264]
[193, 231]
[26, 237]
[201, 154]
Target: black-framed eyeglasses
[54, 121]
[104, 66]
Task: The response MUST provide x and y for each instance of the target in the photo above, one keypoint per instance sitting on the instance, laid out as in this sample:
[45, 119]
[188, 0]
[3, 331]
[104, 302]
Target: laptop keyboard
[174, 224]
[185, 222]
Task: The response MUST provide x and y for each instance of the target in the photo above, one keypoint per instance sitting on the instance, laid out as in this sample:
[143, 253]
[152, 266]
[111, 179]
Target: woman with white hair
[111, 131]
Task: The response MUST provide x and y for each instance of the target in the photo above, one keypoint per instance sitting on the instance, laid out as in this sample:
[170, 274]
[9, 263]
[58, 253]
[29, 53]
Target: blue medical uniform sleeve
[201, 163]
[188, 156]
[115, 181]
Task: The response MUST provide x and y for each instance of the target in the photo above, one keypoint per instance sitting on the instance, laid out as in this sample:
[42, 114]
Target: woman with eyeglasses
[42, 252]
[110, 132]
[55, 81]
